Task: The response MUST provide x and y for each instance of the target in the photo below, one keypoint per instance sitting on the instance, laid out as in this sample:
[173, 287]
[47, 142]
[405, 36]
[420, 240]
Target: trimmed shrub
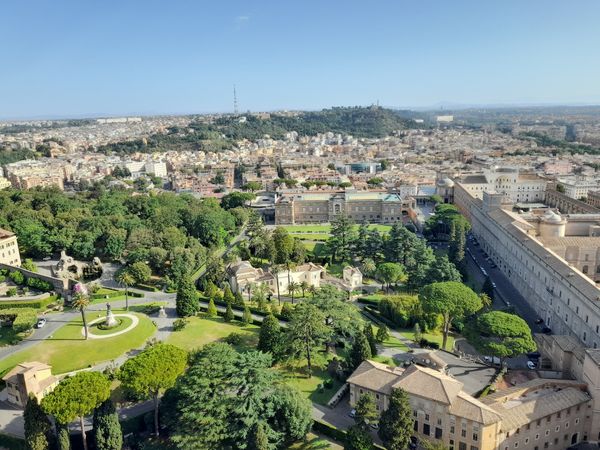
[179, 324]
[23, 319]
[40, 285]
[34, 304]
[17, 277]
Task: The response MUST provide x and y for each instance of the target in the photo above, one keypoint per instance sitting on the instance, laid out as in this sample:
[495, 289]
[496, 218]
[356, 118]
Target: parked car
[547, 330]
[492, 360]
[493, 285]
[414, 442]
[40, 323]
[533, 355]
[531, 365]
[484, 272]
[539, 321]
[375, 426]
[493, 265]
[352, 413]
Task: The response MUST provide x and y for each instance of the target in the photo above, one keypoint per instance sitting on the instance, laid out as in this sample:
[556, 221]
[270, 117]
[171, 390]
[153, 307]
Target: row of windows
[9, 244]
[574, 439]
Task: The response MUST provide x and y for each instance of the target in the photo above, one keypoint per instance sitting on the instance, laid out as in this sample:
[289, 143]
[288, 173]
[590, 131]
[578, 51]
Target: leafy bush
[17, 277]
[40, 285]
[11, 292]
[179, 324]
[328, 430]
[234, 339]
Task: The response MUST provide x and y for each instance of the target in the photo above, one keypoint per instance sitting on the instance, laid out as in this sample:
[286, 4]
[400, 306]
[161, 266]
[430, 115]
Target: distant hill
[362, 122]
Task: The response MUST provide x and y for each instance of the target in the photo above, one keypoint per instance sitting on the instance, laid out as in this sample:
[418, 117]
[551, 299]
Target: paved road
[504, 295]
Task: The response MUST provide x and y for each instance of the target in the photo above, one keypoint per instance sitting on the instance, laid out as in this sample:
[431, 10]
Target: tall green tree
[368, 331]
[75, 397]
[211, 310]
[186, 302]
[107, 429]
[284, 245]
[366, 411]
[224, 395]
[357, 438]
[342, 238]
[260, 441]
[63, 436]
[228, 317]
[501, 334]
[456, 249]
[450, 299]
[307, 330]
[270, 336]
[152, 371]
[391, 273]
[247, 316]
[443, 270]
[396, 422]
[37, 425]
[361, 351]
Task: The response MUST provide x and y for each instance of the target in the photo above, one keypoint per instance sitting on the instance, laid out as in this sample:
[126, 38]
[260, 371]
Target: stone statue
[162, 312]
[110, 318]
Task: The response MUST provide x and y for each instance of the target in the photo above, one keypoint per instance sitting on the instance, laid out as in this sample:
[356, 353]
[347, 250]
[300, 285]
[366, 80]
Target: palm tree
[81, 301]
[125, 278]
[312, 290]
[304, 286]
[292, 289]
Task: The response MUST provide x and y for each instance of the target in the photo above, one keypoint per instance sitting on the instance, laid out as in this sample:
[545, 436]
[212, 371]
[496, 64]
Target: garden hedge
[24, 318]
[34, 304]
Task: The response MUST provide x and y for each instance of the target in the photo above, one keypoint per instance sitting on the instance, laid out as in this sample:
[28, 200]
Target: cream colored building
[9, 248]
[539, 414]
[29, 378]
[361, 207]
[242, 274]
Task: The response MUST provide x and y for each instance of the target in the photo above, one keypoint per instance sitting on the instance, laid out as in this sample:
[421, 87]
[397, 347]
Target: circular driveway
[134, 322]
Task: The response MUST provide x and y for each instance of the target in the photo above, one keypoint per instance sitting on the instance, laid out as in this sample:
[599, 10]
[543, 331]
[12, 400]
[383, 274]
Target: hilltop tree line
[365, 122]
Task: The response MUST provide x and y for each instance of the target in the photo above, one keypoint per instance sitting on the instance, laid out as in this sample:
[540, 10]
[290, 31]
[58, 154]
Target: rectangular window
[426, 429]
[438, 433]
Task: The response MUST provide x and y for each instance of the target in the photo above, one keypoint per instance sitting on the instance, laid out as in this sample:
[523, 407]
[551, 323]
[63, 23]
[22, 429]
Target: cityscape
[216, 264]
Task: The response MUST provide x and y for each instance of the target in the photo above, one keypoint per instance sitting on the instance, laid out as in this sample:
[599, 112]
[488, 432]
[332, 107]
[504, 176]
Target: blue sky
[72, 58]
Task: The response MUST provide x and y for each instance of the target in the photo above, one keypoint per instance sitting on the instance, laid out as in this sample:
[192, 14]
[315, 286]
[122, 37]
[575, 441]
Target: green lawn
[124, 322]
[67, 350]
[200, 331]
[327, 228]
[394, 342]
[315, 442]
[311, 236]
[385, 360]
[437, 337]
[296, 375]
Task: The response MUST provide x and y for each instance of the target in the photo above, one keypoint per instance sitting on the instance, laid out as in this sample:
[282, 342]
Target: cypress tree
[187, 299]
[37, 425]
[247, 317]
[228, 317]
[383, 334]
[63, 437]
[107, 429]
[286, 310]
[228, 295]
[371, 338]
[396, 423]
[238, 299]
[361, 350]
[211, 311]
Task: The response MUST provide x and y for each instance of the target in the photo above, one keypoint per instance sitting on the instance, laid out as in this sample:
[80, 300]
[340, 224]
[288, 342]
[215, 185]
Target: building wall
[563, 302]
[9, 251]
[568, 205]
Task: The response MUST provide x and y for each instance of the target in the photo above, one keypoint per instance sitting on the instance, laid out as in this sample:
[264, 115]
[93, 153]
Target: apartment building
[9, 248]
[538, 414]
[29, 378]
[517, 186]
[371, 207]
[578, 187]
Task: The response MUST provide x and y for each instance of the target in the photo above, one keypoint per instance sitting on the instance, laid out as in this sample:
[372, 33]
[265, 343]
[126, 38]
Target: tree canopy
[452, 300]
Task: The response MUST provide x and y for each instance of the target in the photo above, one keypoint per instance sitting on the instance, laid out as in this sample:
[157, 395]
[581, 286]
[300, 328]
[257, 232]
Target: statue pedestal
[110, 319]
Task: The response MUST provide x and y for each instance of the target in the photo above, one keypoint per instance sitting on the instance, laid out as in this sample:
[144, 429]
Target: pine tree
[107, 429]
[383, 333]
[228, 317]
[396, 422]
[211, 310]
[63, 437]
[187, 298]
[361, 350]
[269, 337]
[371, 338]
[37, 425]
[247, 316]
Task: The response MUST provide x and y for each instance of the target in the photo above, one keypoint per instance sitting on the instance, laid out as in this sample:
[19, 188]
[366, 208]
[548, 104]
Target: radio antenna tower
[235, 102]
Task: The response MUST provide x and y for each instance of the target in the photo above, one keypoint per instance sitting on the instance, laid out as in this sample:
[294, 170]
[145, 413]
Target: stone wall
[61, 286]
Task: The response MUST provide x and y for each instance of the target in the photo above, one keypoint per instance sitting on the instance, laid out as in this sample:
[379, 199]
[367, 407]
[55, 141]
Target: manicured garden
[203, 330]
[315, 442]
[67, 350]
